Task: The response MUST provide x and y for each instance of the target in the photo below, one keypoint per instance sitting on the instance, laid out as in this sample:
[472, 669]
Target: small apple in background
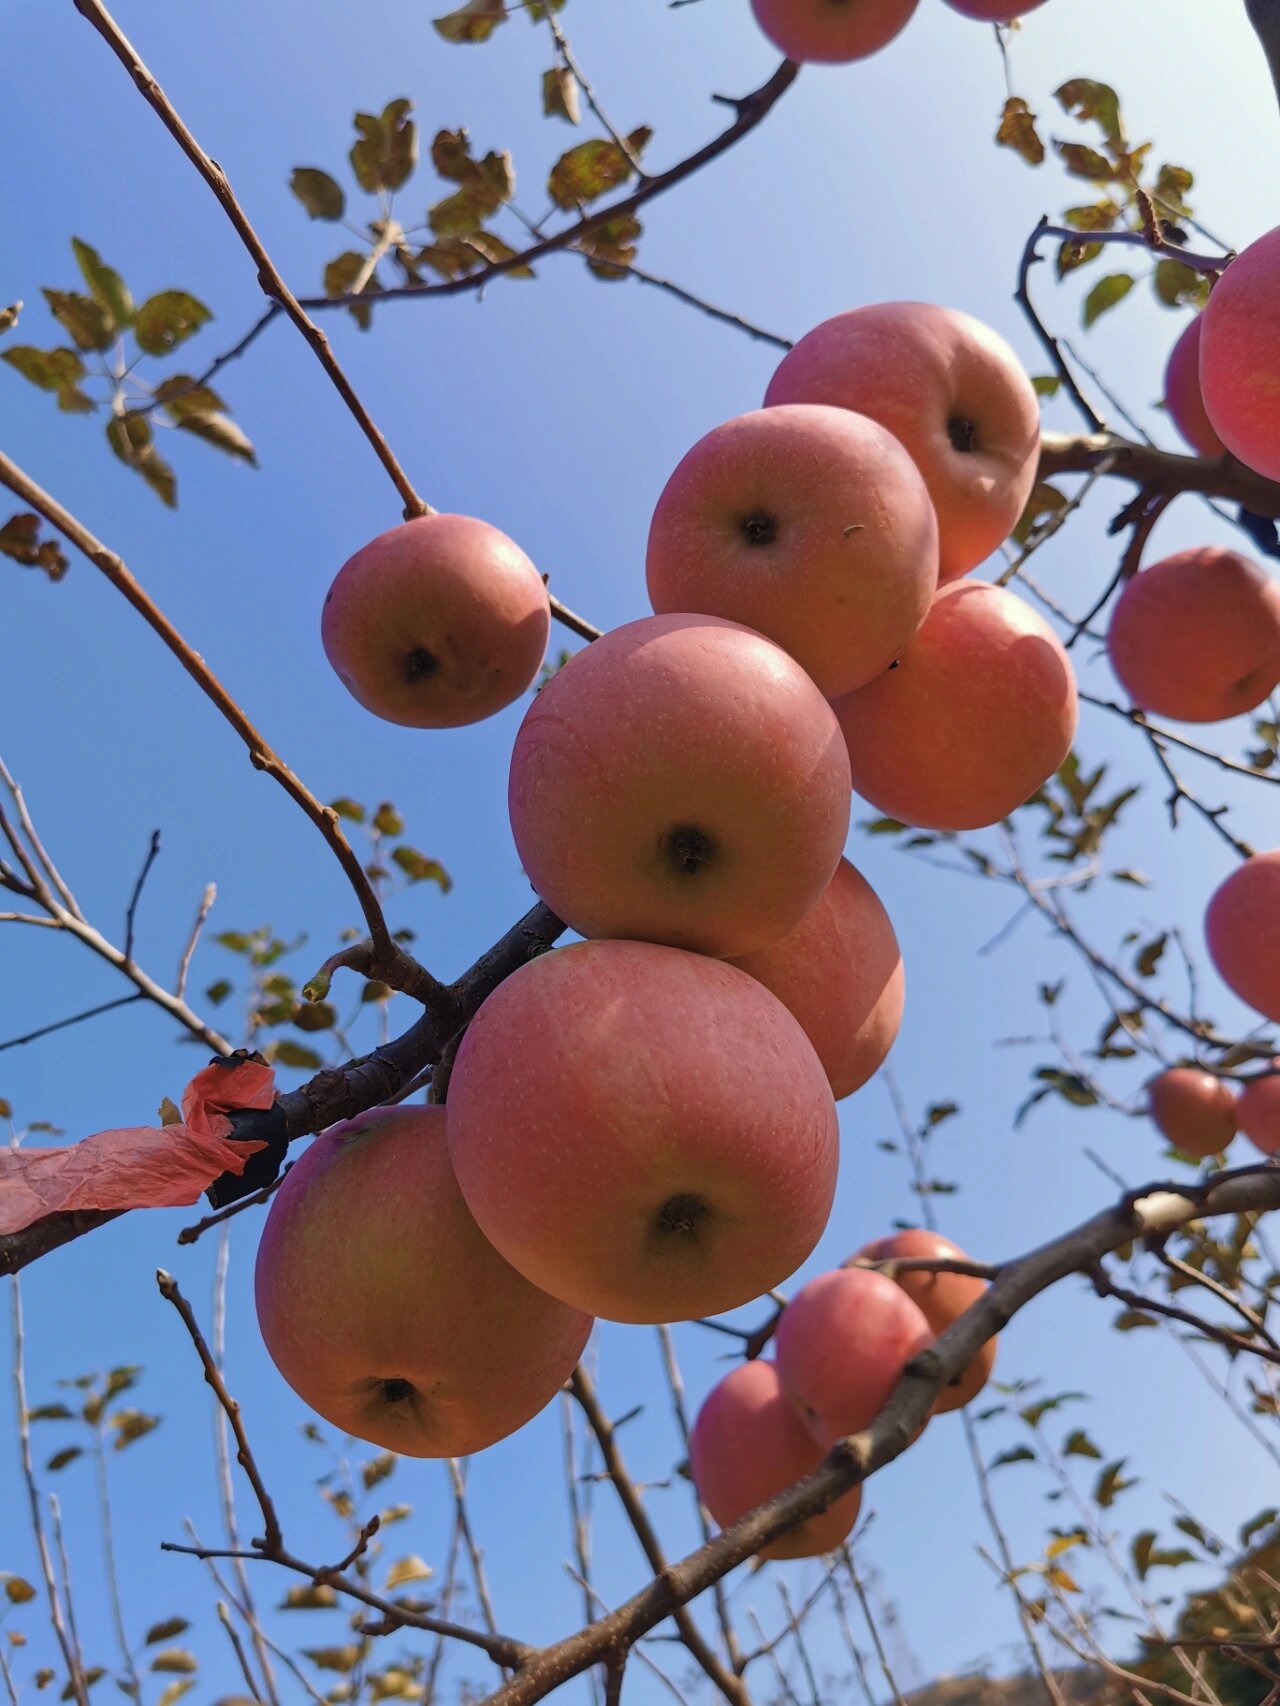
[840, 973]
[811, 525]
[386, 1309]
[842, 1344]
[941, 1299]
[954, 394]
[1240, 356]
[747, 1445]
[1258, 1111]
[1242, 928]
[1194, 1110]
[439, 622]
[644, 1127]
[1196, 636]
[1182, 396]
[979, 712]
[832, 32]
[682, 781]
[994, 11]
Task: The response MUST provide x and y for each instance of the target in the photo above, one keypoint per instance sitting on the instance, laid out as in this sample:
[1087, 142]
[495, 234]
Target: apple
[1240, 356]
[748, 1445]
[1258, 1111]
[1196, 636]
[1194, 1110]
[439, 622]
[994, 11]
[682, 781]
[811, 525]
[1182, 396]
[842, 1344]
[645, 1128]
[955, 395]
[385, 1308]
[832, 32]
[840, 973]
[941, 1299]
[979, 712]
[1242, 928]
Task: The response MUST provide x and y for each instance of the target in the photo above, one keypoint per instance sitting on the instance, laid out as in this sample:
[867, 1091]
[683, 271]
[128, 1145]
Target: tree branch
[1159, 470]
[1264, 15]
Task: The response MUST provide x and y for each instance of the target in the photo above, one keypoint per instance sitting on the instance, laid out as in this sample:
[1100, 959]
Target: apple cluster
[836, 32]
[1200, 1113]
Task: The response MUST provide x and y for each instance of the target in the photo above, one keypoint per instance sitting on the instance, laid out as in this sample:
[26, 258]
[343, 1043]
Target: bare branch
[153, 853]
[75, 1019]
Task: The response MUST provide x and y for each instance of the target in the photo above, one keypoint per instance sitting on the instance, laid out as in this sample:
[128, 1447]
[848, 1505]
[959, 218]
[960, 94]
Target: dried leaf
[321, 195]
[20, 539]
[560, 94]
[476, 21]
[1017, 130]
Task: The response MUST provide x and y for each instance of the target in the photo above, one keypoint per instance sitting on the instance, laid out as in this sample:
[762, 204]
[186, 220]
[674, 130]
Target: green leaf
[20, 539]
[293, 1054]
[340, 276]
[592, 169]
[342, 1659]
[1130, 1320]
[352, 810]
[50, 1413]
[199, 410]
[87, 320]
[1148, 958]
[1106, 294]
[386, 149]
[410, 1569]
[130, 436]
[419, 869]
[1017, 130]
[1046, 384]
[131, 1425]
[1015, 1454]
[612, 245]
[95, 1673]
[1097, 101]
[1044, 500]
[105, 285]
[182, 1685]
[1140, 1551]
[1171, 187]
[387, 820]
[310, 1596]
[476, 21]
[1111, 1483]
[175, 1661]
[1098, 216]
[315, 1016]
[1179, 286]
[560, 95]
[168, 319]
[1138, 879]
[320, 194]
[60, 1459]
[377, 1469]
[1084, 162]
[168, 1630]
[492, 248]
[57, 370]
[1255, 1526]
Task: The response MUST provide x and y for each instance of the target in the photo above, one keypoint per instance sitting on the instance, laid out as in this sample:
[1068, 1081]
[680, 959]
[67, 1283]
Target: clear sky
[555, 409]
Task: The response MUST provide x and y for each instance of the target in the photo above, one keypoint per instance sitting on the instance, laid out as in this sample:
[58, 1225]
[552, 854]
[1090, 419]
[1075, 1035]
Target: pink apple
[842, 1344]
[1242, 927]
[1196, 636]
[1258, 1111]
[832, 32]
[1194, 1110]
[682, 781]
[811, 525]
[994, 11]
[747, 1446]
[840, 973]
[439, 622]
[1240, 356]
[645, 1128]
[941, 1299]
[383, 1305]
[955, 395]
[1182, 397]
[980, 711]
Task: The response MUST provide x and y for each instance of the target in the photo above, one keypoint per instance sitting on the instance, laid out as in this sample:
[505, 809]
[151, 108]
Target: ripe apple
[994, 11]
[643, 1127]
[980, 710]
[840, 973]
[748, 1445]
[1242, 927]
[831, 32]
[842, 1344]
[952, 391]
[1258, 1111]
[1194, 1110]
[941, 1299]
[1196, 636]
[1240, 356]
[1182, 397]
[385, 1308]
[439, 622]
[811, 525]
[683, 781]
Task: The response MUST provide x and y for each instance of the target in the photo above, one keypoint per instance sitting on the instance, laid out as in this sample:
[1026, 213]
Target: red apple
[439, 622]
[952, 391]
[840, 973]
[683, 781]
[385, 1308]
[1258, 1111]
[1194, 1110]
[979, 712]
[1196, 636]
[1242, 927]
[842, 1344]
[748, 1445]
[941, 1299]
[1182, 396]
[832, 32]
[811, 525]
[1240, 356]
[994, 11]
[645, 1128]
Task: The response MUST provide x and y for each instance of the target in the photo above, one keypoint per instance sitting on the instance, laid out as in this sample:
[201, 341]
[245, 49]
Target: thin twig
[153, 853]
[202, 912]
[75, 1019]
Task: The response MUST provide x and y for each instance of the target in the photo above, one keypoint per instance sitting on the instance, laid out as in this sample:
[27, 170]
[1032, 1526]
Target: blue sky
[554, 409]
